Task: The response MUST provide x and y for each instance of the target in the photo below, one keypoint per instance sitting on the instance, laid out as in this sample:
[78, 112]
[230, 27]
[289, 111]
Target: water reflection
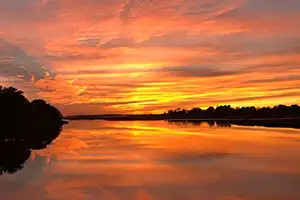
[15, 150]
[186, 122]
[13, 154]
[210, 123]
[267, 122]
[161, 160]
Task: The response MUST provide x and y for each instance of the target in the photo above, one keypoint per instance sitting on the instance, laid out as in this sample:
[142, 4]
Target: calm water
[159, 160]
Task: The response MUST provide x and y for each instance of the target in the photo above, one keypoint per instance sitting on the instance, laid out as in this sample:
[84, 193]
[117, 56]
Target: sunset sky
[148, 56]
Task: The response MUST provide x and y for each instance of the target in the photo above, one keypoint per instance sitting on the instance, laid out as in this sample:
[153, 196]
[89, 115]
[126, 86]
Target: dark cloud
[29, 10]
[195, 71]
[63, 56]
[270, 6]
[118, 42]
[246, 99]
[89, 41]
[277, 79]
[178, 71]
[134, 8]
[16, 63]
[191, 157]
[105, 104]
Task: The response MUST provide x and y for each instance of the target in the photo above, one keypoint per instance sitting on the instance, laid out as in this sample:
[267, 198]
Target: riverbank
[266, 122]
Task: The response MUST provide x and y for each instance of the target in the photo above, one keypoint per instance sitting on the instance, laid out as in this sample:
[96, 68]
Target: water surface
[160, 160]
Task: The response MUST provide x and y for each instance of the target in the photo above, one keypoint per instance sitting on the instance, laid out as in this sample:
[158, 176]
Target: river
[160, 160]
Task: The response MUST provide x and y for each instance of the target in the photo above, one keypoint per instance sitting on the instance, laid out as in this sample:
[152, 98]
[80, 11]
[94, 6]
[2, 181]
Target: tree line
[226, 111]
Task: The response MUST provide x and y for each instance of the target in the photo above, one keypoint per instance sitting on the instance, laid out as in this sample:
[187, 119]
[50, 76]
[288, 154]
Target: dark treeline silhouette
[277, 116]
[24, 126]
[227, 112]
[225, 116]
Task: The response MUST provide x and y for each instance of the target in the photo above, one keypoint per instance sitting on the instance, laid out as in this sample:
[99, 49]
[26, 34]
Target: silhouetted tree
[209, 112]
[227, 112]
[24, 126]
[224, 116]
[223, 112]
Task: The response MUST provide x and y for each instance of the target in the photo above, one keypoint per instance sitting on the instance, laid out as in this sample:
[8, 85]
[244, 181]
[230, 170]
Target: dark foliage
[225, 116]
[25, 126]
[227, 112]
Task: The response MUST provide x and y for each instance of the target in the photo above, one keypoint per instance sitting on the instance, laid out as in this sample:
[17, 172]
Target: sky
[149, 56]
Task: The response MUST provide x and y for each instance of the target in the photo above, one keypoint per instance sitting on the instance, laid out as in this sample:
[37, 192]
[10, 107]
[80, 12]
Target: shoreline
[155, 118]
[220, 122]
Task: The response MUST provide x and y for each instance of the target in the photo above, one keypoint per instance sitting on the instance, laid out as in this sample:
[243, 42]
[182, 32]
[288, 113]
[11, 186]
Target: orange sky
[142, 56]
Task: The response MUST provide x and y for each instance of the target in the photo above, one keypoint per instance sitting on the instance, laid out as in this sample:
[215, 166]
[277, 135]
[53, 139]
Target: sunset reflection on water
[161, 160]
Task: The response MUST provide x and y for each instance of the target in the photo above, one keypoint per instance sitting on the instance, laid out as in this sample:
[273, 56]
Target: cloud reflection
[153, 160]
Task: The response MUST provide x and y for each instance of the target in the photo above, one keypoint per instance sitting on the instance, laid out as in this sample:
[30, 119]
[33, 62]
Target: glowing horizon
[142, 56]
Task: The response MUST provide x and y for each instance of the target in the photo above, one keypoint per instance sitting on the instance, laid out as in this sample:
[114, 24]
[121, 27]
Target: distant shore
[164, 117]
[266, 122]
[117, 117]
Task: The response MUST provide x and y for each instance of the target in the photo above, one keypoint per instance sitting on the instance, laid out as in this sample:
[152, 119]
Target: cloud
[29, 10]
[16, 63]
[117, 43]
[191, 157]
[194, 71]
